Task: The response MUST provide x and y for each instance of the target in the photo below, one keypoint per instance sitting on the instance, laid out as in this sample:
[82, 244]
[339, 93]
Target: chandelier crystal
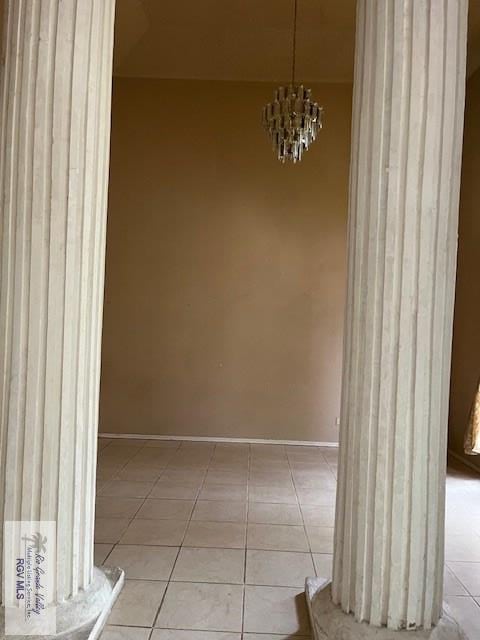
[292, 120]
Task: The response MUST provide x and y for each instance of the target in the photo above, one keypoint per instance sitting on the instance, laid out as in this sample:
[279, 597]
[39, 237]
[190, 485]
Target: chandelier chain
[294, 39]
[292, 120]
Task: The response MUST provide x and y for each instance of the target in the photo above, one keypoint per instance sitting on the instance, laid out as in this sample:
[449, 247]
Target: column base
[82, 617]
[329, 622]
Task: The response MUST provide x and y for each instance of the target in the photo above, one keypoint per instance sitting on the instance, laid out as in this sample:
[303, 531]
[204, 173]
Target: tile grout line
[129, 519]
[249, 464]
[115, 544]
[195, 502]
[303, 519]
[294, 466]
[169, 581]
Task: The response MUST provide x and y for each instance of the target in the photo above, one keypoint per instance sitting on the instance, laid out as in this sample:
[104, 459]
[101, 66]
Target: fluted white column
[54, 146]
[404, 191]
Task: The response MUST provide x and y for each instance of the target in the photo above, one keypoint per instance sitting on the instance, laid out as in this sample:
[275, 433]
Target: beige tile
[220, 511]
[210, 565]
[139, 472]
[303, 449]
[303, 457]
[315, 480]
[179, 634]
[308, 466]
[239, 448]
[264, 513]
[278, 568]
[330, 453]
[128, 443]
[144, 563]
[192, 461]
[318, 516]
[275, 610]
[110, 453]
[153, 509]
[163, 444]
[226, 477]
[466, 612]
[100, 552]
[271, 479]
[229, 535]
[317, 485]
[203, 456]
[469, 575]
[197, 445]
[155, 532]
[109, 457]
[320, 538]
[184, 476]
[120, 450]
[230, 458]
[206, 607]
[119, 464]
[462, 548]
[223, 492]
[112, 632]
[117, 507]
[110, 529]
[184, 466]
[274, 636]
[455, 524]
[138, 603]
[106, 472]
[268, 465]
[235, 451]
[268, 451]
[322, 497]
[281, 495]
[238, 467]
[198, 448]
[305, 453]
[159, 458]
[451, 584]
[323, 564]
[276, 537]
[113, 452]
[126, 489]
[173, 490]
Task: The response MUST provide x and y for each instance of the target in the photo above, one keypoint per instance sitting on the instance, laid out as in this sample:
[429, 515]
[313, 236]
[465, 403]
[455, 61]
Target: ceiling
[243, 40]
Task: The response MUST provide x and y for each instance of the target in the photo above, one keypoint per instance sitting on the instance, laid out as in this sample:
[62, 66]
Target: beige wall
[466, 338]
[225, 270]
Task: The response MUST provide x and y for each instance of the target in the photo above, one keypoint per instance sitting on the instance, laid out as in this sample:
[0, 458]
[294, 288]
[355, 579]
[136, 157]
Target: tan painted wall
[466, 338]
[225, 270]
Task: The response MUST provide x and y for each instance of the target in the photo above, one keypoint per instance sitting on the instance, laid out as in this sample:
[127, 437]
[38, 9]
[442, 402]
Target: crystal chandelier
[292, 120]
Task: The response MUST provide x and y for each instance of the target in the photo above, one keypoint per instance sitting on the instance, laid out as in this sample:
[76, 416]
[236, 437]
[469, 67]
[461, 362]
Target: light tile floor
[216, 540]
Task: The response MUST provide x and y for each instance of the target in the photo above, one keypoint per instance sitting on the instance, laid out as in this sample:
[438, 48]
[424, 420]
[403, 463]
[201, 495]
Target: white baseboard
[143, 436]
[467, 463]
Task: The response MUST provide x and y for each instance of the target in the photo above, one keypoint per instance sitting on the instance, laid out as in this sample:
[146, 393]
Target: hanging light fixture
[292, 120]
